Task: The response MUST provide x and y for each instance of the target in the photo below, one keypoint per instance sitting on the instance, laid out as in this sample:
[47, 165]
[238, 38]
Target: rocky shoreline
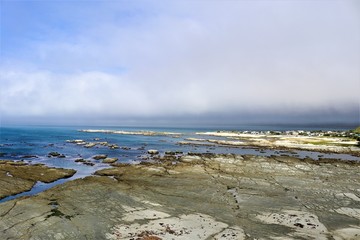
[350, 151]
[197, 196]
[325, 144]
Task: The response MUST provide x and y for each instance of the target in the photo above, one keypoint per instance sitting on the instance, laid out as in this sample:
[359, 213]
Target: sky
[172, 62]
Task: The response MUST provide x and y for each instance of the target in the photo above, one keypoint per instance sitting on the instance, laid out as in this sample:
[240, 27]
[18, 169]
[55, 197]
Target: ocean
[34, 143]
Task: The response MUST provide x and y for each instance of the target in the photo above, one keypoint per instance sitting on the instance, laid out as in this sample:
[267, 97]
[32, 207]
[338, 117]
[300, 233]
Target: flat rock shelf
[17, 176]
[198, 196]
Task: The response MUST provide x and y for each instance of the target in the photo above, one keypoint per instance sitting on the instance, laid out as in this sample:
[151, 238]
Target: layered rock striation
[198, 196]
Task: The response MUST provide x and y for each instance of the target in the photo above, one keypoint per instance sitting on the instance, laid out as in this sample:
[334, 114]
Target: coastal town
[355, 134]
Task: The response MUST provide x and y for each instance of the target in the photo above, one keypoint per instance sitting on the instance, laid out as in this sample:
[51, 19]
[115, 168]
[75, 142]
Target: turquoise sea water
[18, 141]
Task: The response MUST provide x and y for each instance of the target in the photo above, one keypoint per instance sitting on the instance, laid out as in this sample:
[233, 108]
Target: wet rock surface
[110, 160]
[17, 177]
[197, 196]
[93, 144]
[56, 154]
[153, 151]
[99, 157]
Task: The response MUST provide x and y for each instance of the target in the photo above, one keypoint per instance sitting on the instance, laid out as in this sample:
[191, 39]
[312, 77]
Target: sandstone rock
[99, 157]
[220, 196]
[16, 178]
[110, 160]
[153, 151]
[17, 163]
[85, 162]
[190, 158]
[75, 141]
[90, 145]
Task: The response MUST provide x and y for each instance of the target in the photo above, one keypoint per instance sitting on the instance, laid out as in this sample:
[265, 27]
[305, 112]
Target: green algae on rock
[18, 176]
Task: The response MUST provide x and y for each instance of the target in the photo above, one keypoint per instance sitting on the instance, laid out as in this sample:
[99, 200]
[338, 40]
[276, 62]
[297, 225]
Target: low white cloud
[194, 59]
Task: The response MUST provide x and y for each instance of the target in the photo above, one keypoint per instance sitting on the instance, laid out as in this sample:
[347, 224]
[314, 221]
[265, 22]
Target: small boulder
[53, 154]
[89, 163]
[153, 151]
[56, 154]
[90, 145]
[80, 160]
[109, 160]
[101, 156]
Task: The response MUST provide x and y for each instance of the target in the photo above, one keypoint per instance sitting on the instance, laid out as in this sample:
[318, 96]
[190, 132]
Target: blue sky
[197, 61]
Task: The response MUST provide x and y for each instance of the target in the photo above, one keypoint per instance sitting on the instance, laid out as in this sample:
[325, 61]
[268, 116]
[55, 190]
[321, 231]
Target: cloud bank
[160, 60]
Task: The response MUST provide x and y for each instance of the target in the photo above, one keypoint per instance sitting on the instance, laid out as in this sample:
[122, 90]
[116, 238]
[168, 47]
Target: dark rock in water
[56, 154]
[85, 162]
[143, 157]
[153, 151]
[89, 163]
[101, 156]
[170, 153]
[202, 154]
[2, 154]
[53, 154]
[125, 148]
[29, 156]
[80, 160]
